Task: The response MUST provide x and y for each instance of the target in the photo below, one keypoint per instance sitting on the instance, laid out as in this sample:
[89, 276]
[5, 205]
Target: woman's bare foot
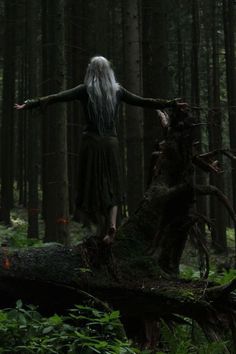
[110, 237]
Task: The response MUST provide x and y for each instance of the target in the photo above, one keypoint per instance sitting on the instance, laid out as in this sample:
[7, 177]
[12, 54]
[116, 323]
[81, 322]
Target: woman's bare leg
[112, 216]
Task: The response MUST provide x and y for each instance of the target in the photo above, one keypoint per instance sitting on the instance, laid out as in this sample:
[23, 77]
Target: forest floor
[16, 234]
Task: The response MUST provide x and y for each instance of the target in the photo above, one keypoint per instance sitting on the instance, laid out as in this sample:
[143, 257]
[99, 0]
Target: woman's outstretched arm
[63, 96]
[156, 103]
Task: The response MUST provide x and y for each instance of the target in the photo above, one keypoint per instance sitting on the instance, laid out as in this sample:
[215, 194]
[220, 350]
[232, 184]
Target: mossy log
[55, 278]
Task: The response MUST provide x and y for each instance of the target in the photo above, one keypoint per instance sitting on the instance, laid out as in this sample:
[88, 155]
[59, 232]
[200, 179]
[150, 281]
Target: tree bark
[33, 121]
[195, 89]
[215, 137]
[155, 69]
[229, 35]
[181, 60]
[132, 68]
[56, 209]
[7, 128]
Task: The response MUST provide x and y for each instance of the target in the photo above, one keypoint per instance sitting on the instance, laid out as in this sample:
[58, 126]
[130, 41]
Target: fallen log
[55, 278]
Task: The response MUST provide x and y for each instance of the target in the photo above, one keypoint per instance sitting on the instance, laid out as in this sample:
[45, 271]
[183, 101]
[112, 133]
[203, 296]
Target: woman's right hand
[182, 105]
[18, 107]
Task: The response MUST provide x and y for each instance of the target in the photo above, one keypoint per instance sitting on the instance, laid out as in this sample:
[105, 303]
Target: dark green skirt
[99, 186]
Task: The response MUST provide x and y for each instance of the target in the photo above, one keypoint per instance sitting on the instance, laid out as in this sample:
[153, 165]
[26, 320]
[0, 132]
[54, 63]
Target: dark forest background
[162, 49]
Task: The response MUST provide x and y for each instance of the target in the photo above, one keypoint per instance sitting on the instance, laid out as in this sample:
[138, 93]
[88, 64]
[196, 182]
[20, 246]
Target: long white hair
[102, 90]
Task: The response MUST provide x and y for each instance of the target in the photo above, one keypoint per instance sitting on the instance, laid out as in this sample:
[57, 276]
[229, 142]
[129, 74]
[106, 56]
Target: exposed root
[217, 292]
[212, 190]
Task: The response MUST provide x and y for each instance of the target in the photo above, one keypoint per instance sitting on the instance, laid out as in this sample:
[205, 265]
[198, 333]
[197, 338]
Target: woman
[99, 189]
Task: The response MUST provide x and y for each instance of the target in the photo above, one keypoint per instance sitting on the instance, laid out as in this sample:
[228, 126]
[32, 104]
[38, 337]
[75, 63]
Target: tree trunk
[73, 40]
[215, 138]
[229, 35]
[56, 173]
[102, 30]
[8, 95]
[132, 68]
[181, 60]
[46, 89]
[195, 90]
[33, 121]
[20, 144]
[155, 69]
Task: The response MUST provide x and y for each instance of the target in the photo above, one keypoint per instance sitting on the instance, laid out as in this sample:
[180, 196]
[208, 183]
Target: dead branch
[211, 154]
[207, 161]
[206, 164]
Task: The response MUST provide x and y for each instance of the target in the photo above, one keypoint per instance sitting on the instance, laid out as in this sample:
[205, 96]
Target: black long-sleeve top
[80, 93]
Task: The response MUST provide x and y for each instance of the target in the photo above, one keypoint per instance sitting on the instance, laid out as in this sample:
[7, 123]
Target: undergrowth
[83, 330]
[86, 330]
[15, 235]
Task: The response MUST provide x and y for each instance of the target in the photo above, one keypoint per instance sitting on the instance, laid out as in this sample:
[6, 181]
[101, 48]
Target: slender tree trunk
[20, 146]
[71, 48]
[181, 62]
[33, 119]
[102, 27]
[46, 88]
[56, 179]
[229, 33]
[155, 69]
[195, 90]
[76, 65]
[132, 65]
[8, 94]
[116, 48]
[215, 137]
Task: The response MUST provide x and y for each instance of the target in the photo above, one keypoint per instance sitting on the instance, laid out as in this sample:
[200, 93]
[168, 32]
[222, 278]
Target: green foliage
[88, 330]
[84, 330]
[179, 341]
[188, 272]
[223, 278]
[16, 234]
